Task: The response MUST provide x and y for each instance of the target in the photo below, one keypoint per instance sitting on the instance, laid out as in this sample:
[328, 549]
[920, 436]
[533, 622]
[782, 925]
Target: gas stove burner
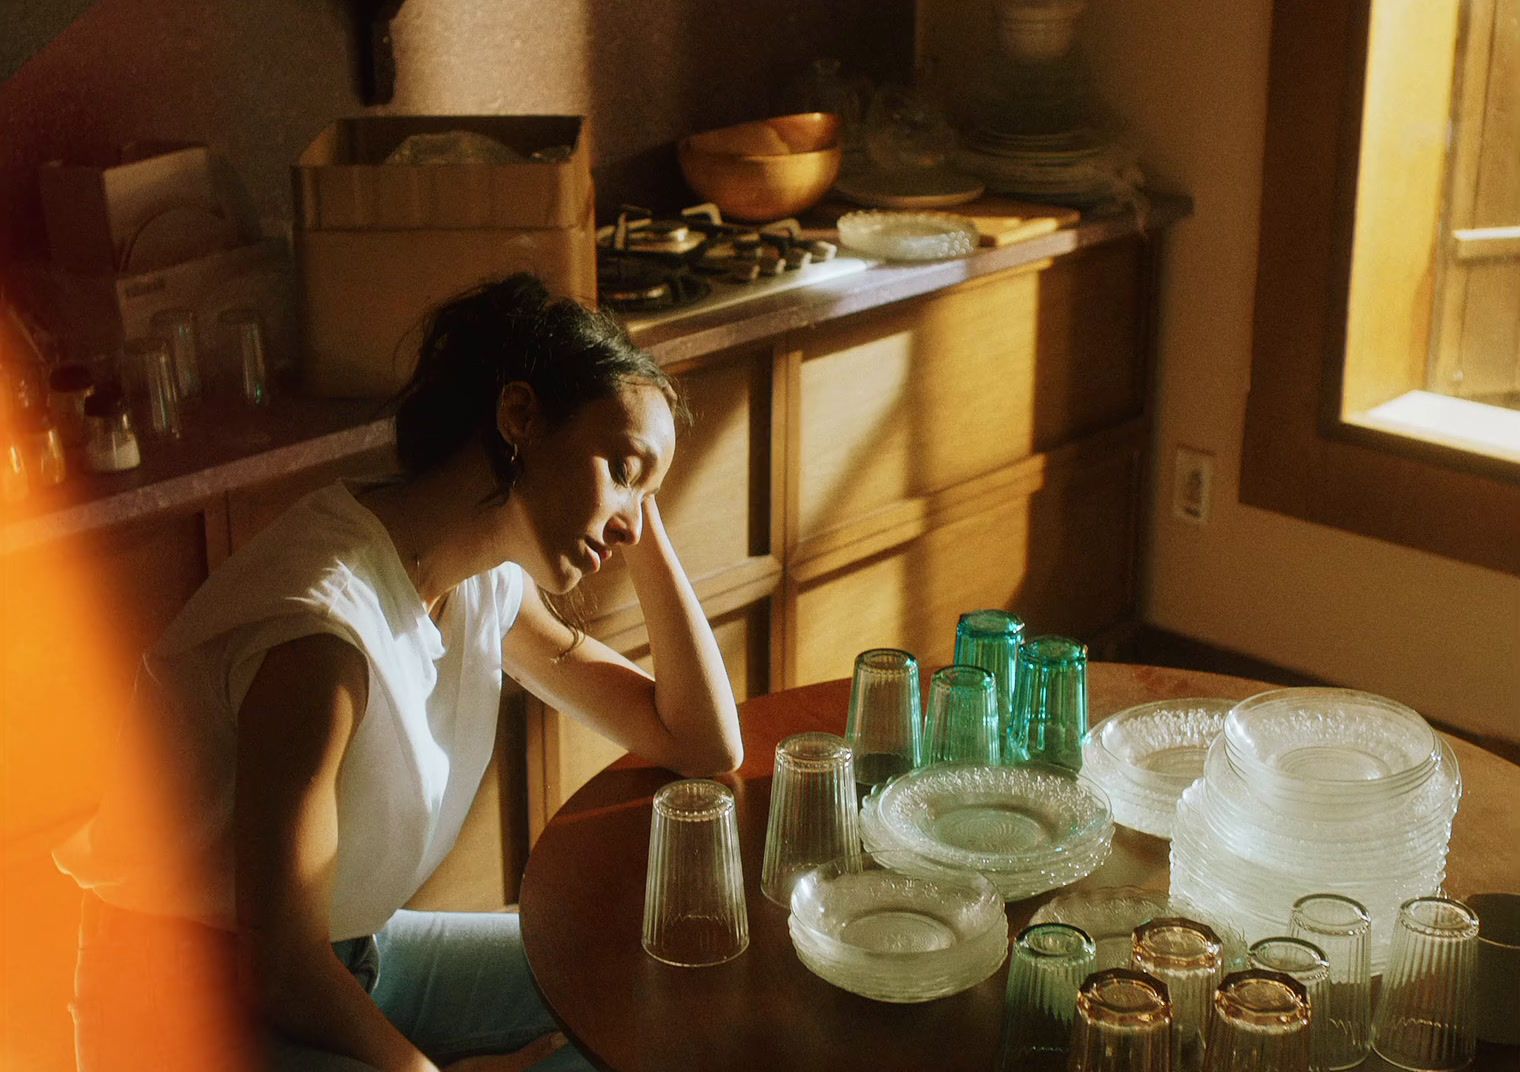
[634, 285]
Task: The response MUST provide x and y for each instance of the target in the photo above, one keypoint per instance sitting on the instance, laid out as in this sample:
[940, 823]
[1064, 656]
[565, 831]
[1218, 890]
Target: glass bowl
[891, 928]
[1161, 746]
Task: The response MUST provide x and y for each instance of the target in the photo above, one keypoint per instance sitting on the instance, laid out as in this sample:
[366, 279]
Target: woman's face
[582, 485]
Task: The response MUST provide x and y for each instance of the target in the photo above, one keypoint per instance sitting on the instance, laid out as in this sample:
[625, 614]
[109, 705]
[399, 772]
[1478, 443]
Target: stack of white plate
[1316, 791]
[1028, 829]
[1145, 756]
[870, 927]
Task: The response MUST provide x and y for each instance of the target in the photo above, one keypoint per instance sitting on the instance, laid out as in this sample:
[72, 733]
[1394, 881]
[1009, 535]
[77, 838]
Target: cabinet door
[907, 401]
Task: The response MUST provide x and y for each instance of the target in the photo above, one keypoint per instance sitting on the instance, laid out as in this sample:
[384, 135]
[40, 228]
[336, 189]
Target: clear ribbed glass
[962, 723]
[1342, 929]
[1050, 960]
[1307, 965]
[1260, 1024]
[813, 817]
[885, 715]
[1123, 1024]
[1425, 1016]
[694, 911]
[1189, 958]
[1050, 700]
[990, 639]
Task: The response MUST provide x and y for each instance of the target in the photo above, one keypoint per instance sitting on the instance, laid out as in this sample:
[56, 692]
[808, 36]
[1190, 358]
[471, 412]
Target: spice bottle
[110, 444]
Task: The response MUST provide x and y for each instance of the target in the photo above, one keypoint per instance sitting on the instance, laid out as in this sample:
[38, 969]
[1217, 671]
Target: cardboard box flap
[343, 183]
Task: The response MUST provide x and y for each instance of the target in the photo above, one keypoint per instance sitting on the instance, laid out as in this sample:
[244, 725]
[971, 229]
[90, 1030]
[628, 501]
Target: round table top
[583, 895]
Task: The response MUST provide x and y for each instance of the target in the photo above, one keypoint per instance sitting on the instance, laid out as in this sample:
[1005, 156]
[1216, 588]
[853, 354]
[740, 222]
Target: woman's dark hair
[500, 333]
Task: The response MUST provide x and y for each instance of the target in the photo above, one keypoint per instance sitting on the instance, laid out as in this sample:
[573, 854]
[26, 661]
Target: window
[1387, 333]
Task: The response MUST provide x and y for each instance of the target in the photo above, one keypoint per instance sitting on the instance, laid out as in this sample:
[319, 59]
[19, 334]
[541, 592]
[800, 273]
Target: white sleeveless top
[415, 761]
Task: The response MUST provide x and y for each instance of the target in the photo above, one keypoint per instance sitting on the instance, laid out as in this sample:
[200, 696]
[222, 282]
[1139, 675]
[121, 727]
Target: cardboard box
[378, 246]
[158, 204]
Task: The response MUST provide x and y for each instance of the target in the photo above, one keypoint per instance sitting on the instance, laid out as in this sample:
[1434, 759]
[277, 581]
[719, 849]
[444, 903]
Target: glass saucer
[1110, 914]
[994, 818]
[909, 236]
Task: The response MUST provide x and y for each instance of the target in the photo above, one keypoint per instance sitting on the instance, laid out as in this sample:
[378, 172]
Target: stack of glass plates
[1144, 757]
[1316, 791]
[1110, 914]
[1074, 167]
[1028, 829]
[883, 932]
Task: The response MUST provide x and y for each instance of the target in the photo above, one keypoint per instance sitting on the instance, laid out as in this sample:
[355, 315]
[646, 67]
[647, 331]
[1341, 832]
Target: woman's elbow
[724, 757]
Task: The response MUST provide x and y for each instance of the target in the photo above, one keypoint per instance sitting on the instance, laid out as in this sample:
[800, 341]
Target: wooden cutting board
[1002, 220]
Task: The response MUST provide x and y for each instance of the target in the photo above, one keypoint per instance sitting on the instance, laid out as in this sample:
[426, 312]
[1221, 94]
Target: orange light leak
[66, 669]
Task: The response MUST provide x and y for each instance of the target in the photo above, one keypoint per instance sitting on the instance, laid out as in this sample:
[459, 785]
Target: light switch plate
[1192, 485]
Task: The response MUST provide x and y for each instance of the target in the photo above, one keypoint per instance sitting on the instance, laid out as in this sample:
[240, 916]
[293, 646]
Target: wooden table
[583, 895]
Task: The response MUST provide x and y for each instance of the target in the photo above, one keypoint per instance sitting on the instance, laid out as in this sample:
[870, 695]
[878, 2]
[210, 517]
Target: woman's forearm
[692, 693]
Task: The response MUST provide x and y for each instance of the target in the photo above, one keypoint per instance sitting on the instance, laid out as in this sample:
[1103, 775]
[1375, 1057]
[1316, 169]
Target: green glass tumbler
[962, 723]
[1050, 701]
[990, 639]
[1049, 962]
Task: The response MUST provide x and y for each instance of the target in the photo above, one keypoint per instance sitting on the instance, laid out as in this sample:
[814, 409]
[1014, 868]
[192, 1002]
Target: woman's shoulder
[324, 555]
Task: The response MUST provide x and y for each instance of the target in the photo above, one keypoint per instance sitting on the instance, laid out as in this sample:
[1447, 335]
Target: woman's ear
[517, 412]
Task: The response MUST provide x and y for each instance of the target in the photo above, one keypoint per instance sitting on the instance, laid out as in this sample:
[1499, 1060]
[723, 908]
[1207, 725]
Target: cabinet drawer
[1061, 558]
[927, 394]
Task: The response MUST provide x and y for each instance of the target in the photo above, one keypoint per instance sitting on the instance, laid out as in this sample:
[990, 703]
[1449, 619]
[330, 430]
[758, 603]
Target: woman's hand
[527, 1057]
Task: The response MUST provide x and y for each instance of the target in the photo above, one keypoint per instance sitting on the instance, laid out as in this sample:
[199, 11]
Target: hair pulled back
[504, 332]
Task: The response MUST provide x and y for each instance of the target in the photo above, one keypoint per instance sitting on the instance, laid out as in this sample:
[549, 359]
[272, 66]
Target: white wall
[1190, 81]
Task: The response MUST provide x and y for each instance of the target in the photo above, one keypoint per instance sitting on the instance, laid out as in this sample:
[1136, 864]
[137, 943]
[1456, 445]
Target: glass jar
[69, 386]
[110, 443]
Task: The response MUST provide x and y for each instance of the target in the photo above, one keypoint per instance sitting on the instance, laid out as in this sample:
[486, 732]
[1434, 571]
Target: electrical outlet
[1192, 485]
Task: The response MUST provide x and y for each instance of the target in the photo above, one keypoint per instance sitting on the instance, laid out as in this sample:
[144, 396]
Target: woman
[333, 688]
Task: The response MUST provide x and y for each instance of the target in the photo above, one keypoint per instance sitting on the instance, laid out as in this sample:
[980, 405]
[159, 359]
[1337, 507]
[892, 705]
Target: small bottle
[110, 444]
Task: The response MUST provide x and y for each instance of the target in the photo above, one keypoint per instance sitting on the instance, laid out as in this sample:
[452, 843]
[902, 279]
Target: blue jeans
[156, 993]
[455, 983]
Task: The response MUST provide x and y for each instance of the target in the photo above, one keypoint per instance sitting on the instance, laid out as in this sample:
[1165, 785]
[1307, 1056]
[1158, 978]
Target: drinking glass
[884, 724]
[1050, 700]
[1123, 1023]
[813, 817]
[1050, 960]
[1425, 1015]
[694, 911]
[177, 328]
[962, 723]
[1342, 929]
[244, 334]
[1260, 1024]
[990, 639]
[1496, 978]
[152, 386]
[1189, 958]
[1306, 964]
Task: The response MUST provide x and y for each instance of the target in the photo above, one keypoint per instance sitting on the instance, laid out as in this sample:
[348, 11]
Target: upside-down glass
[1425, 1015]
[1189, 958]
[1496, 979]
[962, 722]
[1342, 929]
[243, 339]
[1306, 964]
[1050, 700]
[1050, 960]
[152, 386]
[177, 328]
[1260, 1023]
[1123, 1023]
[813, 816]
[694, 912]
[885, 715]
[990, 639]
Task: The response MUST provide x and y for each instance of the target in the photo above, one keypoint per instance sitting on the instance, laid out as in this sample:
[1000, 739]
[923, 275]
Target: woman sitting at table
[334, 688]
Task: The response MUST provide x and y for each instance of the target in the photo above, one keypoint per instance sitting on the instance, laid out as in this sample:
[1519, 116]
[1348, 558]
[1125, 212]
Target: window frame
[1299, 456]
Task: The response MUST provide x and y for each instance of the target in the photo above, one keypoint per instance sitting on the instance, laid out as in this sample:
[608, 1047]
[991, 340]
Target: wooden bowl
[767, 169]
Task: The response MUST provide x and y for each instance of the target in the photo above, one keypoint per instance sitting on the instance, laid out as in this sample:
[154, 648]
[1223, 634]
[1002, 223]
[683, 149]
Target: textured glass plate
[909, 236]
[1320, 740]
[998, 818]
[1162, 745]
[901, 984]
